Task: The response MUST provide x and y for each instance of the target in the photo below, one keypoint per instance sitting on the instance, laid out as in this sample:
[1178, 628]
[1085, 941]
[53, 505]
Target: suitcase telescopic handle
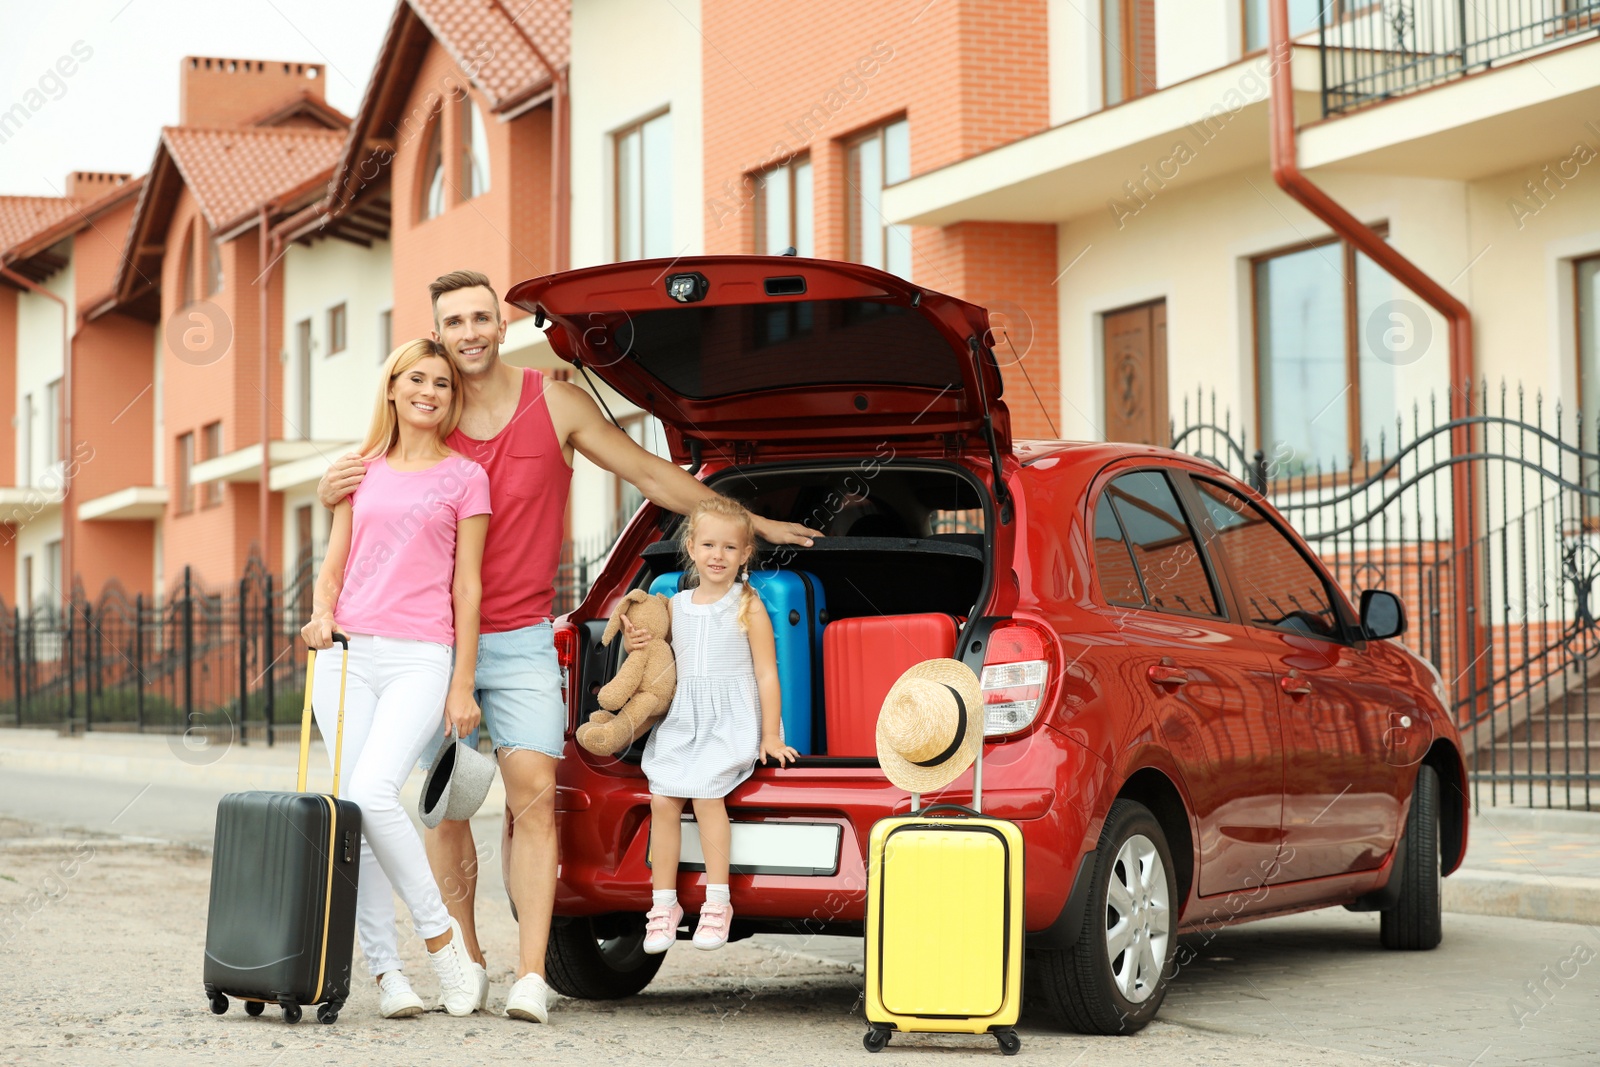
[305, 715]
[958, 808]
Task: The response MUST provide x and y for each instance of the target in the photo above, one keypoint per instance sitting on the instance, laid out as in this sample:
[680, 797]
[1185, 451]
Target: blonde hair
[723, 508]
[384, 429]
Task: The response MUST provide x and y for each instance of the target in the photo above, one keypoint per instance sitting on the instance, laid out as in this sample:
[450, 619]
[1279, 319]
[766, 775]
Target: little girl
[401, 578]
[725, 714]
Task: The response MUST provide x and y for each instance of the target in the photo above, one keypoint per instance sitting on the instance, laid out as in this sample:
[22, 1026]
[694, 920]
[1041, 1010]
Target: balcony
[1395, 47]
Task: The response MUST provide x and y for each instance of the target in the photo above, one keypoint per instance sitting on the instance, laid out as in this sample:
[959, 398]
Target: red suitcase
[861, 658]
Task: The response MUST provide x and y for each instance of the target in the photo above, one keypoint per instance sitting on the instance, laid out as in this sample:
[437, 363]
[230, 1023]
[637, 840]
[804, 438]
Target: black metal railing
[1375, 51]
[1506, 616]
[226, 663]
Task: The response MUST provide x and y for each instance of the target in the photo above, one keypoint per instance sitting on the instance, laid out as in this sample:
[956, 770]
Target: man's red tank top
[528, 484]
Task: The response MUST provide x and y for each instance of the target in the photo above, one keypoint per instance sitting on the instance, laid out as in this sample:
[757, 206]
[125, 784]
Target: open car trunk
[906, 539]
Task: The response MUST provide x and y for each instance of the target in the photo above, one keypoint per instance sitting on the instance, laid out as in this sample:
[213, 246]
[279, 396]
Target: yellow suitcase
[944, 926]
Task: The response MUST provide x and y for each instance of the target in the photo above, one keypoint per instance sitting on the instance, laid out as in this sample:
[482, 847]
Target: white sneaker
[482, 974]
[396, 998]
[529, 999]
[459, 989]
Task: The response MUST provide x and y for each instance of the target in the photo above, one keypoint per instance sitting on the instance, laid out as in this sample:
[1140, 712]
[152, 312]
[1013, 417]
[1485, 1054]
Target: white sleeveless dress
[709, 741]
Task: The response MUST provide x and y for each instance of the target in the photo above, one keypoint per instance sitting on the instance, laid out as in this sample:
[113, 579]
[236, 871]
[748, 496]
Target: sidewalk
[1526, 863]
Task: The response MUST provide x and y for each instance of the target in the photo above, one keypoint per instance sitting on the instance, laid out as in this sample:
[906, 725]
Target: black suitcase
[283, 891]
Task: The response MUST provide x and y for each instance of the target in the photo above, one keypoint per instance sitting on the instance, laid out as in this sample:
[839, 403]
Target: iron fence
[1374, 51]
[1506, 613]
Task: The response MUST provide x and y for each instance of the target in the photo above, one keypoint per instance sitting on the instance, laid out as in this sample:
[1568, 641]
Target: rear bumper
[1040, 781]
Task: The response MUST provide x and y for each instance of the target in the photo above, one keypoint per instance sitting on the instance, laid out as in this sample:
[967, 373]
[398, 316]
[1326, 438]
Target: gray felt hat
[457, 781]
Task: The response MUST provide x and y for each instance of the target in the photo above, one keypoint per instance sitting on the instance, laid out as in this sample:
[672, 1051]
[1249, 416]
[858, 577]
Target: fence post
[188, 650]
[268, 658]
[88, 668]
[67, 679]
[244, 657]
[16, 659]
[138, 660]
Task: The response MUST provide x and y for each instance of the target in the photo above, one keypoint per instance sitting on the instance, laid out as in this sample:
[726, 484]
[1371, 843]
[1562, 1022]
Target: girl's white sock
[663, 898]
[717, 894]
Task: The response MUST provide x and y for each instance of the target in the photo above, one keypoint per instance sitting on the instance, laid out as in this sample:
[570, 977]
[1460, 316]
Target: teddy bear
[643, 688]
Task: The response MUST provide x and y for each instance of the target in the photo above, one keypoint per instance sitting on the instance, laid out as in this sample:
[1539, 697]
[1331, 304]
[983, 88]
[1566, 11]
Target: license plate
[803, 848]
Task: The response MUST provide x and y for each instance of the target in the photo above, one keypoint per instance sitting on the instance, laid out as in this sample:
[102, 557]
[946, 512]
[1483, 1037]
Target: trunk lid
[773, 357]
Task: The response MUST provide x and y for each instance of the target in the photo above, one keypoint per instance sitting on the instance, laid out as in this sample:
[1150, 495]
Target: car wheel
[1414, 921]
[1112, 981]
[600, 959]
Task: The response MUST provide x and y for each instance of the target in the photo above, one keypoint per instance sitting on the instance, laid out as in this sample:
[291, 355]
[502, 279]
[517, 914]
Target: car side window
[1163, 546]
[1279, 589]
[1113, 562]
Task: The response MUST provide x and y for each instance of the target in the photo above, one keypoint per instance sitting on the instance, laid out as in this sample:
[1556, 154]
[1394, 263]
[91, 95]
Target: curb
[1553, 898]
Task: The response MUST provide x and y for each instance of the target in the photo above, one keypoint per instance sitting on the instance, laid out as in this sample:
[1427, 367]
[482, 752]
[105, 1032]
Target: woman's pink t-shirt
[402, 563]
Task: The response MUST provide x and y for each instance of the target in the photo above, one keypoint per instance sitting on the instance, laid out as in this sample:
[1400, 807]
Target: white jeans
[393, 711]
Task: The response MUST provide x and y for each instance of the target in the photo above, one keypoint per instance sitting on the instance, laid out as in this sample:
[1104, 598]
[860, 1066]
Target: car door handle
[1295, 686]
[1163, 674]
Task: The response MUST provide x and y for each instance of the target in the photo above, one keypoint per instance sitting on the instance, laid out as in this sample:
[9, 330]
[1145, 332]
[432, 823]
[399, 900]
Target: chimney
[228, 92]
[93, 184]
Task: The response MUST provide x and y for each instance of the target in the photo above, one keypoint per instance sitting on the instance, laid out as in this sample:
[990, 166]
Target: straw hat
[931, 725]
[457, 782]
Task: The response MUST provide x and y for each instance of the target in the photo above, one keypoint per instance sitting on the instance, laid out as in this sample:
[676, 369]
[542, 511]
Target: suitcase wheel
[328, 1013]
[1010, 1043]
[291, 1011]
[219, 1004]
[875, 1040]
[253, 1008]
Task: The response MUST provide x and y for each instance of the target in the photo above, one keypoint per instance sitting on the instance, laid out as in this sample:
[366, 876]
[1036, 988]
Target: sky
[124, 58]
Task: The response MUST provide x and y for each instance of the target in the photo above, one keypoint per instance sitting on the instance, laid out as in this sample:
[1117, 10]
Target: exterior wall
[228, 92]
[317, 277]
[620, 74]
[8, 445]
[200, 388]
[505, 232]
[828, 73]
[38, 522]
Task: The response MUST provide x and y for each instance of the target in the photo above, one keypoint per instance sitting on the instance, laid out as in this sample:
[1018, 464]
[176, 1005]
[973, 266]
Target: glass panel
[868, 196]
[1278, 588]
[1163, 546]
[1387, 343]
[1119, 581]
[656, 199]
[1302, 19]
[1301, 354]
[1111, 49]
[433, 183]
[775, 208]
[897, 168]
[628, 201]
[802, 206]
[1588, 273]
[475, 171]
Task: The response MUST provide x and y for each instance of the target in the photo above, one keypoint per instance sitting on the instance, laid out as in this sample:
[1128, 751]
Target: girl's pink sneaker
[661, 928]
[713, 929]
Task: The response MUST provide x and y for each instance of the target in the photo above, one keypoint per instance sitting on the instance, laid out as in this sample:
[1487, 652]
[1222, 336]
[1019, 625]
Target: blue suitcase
[798, 609]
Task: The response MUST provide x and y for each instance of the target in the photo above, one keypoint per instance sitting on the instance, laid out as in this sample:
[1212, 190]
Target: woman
[401, 578]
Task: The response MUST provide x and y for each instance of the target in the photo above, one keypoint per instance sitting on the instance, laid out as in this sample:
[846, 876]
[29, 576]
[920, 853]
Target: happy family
[440, 568]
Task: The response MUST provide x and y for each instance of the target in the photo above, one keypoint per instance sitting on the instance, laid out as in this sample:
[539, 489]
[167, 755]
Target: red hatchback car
[1189, 722]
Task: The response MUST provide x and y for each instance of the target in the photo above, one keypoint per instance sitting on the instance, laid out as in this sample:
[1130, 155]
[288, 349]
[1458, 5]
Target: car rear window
[1163, 546]
[703, 352]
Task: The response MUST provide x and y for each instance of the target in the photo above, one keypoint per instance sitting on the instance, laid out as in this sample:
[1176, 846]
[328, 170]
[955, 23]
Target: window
[186, 293]
[302, 372]
[211, 439]
[1302, 19]
[643, 193]
[474, 151]
[52, 570]
[27, 583]
[336, 317]
[433, 171]
[1586, 275]
[881, 158]
[385, 333]
[26, 466]
[1278, 588]
[182, 487]
[783, 208]
[1323, 387]
[1171, 573]
[1113, 560]
[214, 267]
[1128, 48]
[52, 423]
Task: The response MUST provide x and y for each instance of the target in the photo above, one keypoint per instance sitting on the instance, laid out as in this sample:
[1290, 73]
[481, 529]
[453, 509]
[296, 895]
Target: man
[524, 428]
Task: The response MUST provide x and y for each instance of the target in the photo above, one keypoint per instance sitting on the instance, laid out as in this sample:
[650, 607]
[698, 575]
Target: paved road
[109, 973]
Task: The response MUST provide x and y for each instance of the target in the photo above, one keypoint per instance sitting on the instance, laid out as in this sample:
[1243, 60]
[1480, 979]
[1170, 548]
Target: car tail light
[566, 642]
[1016, 675]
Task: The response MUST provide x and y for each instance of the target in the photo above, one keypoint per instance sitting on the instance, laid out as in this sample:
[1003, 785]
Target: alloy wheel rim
[1138, 919]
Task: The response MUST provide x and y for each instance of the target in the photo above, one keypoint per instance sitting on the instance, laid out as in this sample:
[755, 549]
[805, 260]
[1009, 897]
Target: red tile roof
[232, 172]
[489, 40]
[23, 216]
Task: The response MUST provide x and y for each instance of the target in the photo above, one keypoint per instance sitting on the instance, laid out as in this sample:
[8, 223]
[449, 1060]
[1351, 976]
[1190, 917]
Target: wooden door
[1136, 374]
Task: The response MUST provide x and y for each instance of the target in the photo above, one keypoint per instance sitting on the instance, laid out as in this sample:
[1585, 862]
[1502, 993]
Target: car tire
[581, 963]
[1414, 923]
[1112, 981]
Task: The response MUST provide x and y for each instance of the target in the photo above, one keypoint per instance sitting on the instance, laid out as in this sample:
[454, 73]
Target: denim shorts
[518, 686]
